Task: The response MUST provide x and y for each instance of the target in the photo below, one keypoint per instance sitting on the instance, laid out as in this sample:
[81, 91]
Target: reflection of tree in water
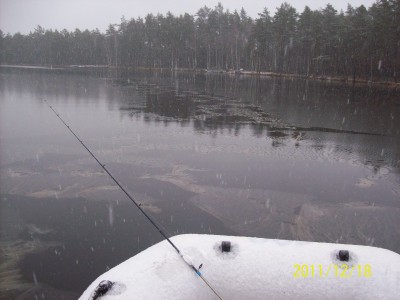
[211, 113]
[207, 110]
[169, 104]
[319, 112]
[302, 103]
[46, 83]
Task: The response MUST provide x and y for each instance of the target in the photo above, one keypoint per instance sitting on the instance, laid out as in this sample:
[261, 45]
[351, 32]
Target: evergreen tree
[360, 42]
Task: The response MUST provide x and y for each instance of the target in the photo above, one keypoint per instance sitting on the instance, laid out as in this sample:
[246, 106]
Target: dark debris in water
[169, 104]
[209, 111]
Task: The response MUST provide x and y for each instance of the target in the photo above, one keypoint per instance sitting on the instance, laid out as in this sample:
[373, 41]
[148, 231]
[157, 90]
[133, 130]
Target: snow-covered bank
[255, 268]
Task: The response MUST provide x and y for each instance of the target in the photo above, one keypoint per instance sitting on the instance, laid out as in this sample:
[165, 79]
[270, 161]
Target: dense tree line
[359, 42]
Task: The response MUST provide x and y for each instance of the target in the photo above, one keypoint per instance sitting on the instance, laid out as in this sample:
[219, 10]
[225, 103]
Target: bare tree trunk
[236, 54]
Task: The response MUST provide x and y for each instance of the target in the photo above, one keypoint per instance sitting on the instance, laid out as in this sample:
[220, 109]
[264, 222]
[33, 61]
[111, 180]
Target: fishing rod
[137, 204]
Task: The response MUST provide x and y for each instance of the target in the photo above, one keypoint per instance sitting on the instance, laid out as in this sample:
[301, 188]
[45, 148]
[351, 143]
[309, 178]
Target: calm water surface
[216, 154]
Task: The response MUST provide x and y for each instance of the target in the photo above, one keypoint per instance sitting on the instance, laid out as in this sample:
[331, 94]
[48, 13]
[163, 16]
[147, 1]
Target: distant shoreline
[342, 79]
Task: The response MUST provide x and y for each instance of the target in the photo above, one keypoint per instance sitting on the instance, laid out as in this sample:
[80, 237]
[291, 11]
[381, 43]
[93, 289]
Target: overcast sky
[24, 15]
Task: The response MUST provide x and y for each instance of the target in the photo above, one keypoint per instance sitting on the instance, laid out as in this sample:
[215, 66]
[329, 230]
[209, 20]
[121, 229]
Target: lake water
[264, 157]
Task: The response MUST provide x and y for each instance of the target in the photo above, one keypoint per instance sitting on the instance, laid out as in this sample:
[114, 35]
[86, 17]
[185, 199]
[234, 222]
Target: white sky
[24, 15]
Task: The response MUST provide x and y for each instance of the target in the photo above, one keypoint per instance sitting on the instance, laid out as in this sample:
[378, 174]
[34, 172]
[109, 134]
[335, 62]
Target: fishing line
[137, 204]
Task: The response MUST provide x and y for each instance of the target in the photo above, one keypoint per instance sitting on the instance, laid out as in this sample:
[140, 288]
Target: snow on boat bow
[252, 268]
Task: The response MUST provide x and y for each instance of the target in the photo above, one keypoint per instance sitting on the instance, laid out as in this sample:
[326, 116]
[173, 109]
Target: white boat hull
[254, 268]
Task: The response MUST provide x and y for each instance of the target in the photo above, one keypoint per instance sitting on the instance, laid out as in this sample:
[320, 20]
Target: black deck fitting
[102, 289]
[226, 246]
[344, 255]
